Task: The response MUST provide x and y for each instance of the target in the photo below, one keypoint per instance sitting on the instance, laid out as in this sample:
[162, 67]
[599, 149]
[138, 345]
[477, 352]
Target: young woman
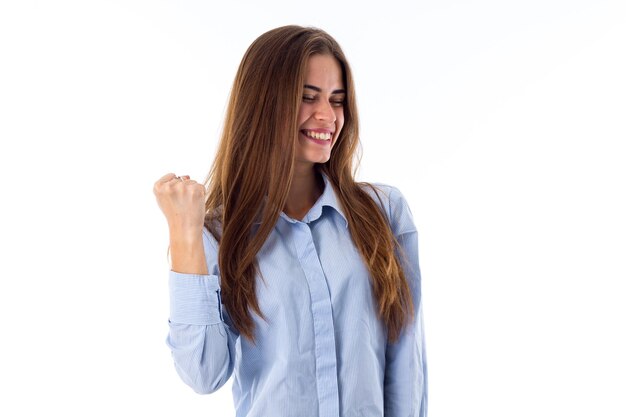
[286, 273]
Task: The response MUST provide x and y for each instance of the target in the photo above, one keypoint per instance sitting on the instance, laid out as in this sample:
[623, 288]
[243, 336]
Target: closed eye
[335, 102]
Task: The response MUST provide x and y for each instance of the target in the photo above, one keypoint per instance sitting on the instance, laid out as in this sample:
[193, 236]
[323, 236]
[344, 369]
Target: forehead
[324, 71]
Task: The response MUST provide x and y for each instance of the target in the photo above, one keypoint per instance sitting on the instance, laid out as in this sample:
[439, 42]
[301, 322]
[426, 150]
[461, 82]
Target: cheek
[304, 114]
[340, 119]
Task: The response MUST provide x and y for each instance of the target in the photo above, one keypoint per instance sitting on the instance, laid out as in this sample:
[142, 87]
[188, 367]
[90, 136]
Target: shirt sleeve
[201, 341]
[406, 382]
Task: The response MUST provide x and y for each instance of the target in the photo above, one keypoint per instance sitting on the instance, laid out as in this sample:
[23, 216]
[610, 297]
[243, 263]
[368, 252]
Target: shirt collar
[328, 198]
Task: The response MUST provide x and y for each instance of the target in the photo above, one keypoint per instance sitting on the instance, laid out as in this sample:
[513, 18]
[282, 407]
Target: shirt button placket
[323, 326]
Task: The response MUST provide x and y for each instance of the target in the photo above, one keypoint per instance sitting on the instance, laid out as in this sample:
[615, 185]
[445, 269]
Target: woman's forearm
[187, 252]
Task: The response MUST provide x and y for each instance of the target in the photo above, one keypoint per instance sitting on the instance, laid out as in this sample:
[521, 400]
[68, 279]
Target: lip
[320, 130]
[319, 141]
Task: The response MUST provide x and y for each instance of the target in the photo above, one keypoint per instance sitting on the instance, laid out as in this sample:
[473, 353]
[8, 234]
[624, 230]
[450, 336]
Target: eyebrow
[319, 90]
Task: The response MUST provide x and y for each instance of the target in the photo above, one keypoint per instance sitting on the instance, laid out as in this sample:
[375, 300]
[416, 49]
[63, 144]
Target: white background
[502, 122]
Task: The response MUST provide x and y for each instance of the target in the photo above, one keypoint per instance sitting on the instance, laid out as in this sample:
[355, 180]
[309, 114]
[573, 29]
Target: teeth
[316, 135]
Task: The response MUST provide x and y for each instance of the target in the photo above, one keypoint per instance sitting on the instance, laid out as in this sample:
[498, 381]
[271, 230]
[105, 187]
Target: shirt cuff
[195, 299]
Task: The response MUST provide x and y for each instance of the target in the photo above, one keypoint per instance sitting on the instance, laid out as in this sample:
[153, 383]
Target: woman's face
[320, 118]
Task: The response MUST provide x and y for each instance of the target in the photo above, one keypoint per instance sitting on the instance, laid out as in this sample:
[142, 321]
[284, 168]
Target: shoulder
[393, 203]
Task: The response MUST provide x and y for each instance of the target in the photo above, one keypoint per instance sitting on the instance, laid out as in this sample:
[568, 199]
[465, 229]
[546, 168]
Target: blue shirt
[323, 351]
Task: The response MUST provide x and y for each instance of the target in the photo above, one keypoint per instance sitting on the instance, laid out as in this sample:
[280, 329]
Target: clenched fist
[182, 201]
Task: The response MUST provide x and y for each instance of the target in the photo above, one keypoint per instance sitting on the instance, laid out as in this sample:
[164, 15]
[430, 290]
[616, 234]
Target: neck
[306, 187]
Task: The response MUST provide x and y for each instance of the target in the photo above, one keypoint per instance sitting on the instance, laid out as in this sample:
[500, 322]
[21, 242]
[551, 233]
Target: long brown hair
[251, 176]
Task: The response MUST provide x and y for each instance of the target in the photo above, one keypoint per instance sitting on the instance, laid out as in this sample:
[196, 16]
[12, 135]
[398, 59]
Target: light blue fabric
[323, 351]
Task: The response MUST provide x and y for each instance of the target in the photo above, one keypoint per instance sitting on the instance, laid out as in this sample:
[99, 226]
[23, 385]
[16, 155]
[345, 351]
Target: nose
[324, 111]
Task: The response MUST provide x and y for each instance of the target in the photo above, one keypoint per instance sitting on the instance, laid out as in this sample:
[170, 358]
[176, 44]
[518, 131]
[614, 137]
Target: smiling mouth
[317, 135]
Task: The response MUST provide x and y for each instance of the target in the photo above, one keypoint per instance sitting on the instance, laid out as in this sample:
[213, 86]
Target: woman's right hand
[182, 201]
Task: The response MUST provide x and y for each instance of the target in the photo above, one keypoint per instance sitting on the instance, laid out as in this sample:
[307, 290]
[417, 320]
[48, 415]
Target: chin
[320, 160]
